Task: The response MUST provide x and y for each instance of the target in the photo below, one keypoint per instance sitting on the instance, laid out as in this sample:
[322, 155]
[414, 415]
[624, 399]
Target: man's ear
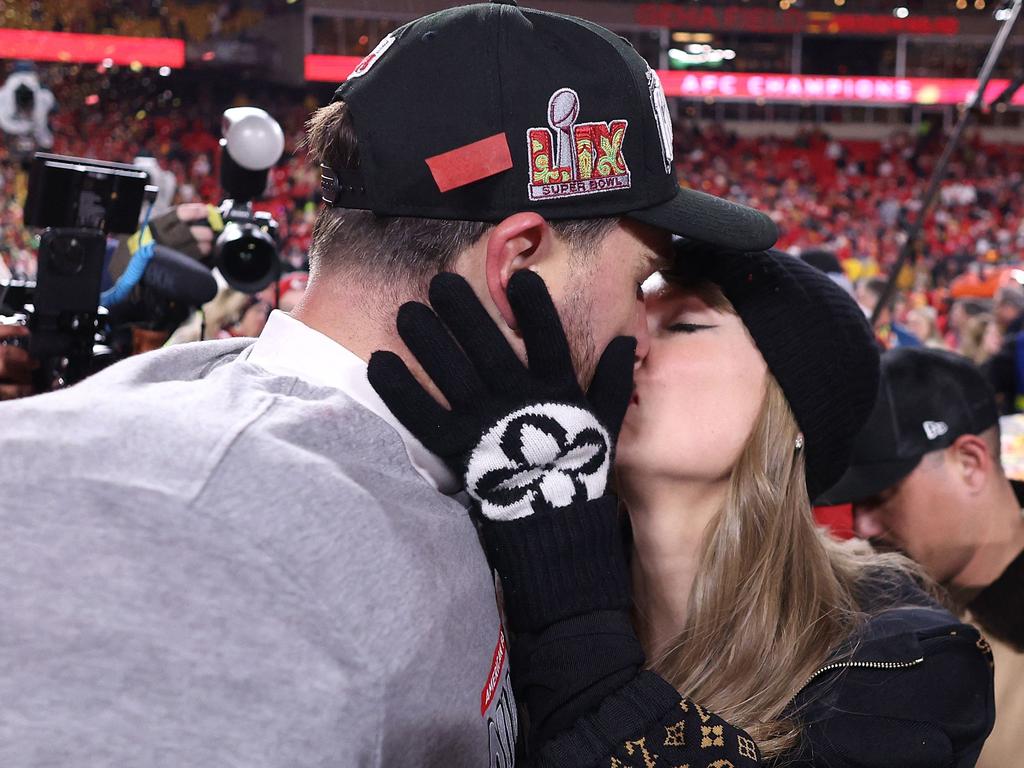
[518, 242]
[974, 462]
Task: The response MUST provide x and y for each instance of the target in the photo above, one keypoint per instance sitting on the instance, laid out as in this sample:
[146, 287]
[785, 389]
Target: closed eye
[688, 327]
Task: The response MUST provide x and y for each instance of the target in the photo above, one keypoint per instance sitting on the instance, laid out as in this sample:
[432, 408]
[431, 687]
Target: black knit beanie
[814, 338]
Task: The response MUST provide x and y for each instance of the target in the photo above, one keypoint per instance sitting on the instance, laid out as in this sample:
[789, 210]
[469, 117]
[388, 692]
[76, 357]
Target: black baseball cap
[927, 398]
[478, 112]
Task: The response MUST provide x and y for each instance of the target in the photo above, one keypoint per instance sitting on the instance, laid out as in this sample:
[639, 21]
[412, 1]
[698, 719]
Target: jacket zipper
[861, 664]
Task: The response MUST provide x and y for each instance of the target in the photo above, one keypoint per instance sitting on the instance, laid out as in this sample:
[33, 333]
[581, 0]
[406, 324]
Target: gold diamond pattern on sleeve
[674, 735]
[747, 747]
[721, 745]
[641, 745]
[711, 736]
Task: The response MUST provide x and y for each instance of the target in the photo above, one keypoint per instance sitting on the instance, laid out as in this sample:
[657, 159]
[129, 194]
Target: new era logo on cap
[934, 429]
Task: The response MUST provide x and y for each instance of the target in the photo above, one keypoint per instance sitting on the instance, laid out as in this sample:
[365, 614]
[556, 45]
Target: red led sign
[91, 49]
[826, 89]
[326, 69]
[766, 87]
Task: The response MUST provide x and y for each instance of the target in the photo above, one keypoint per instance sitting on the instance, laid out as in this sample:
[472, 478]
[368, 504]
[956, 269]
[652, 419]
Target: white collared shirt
[291, 348]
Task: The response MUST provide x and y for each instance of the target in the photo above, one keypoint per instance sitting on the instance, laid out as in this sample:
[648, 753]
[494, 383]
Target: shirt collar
[290, 347]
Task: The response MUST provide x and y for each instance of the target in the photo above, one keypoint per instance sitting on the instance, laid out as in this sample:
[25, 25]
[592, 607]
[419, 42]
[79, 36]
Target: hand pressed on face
[524, 437]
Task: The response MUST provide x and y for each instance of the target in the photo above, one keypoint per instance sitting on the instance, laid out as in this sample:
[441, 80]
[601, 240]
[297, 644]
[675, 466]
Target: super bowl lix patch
[577, 158]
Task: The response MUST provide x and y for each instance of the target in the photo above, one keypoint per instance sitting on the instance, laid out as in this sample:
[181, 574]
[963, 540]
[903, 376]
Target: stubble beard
[576, 316]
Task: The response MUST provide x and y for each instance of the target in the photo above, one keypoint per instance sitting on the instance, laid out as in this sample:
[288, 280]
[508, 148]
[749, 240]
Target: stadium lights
[839, 3]
[961, 4]
[979, 4]
[901, 12]
[695, 55]
[692, 37]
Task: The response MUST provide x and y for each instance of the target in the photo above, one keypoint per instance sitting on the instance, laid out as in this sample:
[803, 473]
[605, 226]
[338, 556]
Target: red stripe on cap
[464, 165]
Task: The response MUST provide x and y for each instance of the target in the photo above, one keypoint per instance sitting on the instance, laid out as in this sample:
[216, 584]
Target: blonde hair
[971, 338]
[774, 596]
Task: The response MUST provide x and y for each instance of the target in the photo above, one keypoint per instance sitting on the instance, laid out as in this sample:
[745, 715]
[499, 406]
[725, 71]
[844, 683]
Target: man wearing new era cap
[926, 477]
[241, 556]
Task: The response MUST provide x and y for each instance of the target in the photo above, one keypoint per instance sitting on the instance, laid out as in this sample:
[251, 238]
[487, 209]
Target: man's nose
[867, 522]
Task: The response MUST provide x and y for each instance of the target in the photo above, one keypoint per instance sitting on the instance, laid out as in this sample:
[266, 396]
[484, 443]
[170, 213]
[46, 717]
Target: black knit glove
[525, 439]
[535, 452]
[533, 449]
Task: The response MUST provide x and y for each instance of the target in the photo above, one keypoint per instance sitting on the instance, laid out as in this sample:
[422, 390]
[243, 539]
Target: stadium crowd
[187, 19]
[851, 198]
[740, 399]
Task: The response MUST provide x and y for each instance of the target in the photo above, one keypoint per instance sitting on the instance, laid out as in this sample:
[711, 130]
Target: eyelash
[688, 327]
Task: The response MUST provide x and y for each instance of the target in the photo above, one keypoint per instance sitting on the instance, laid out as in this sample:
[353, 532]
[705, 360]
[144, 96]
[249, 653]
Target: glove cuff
[559, 564]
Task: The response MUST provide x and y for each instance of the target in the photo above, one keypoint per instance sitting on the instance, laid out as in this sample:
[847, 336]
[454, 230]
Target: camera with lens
[246, 251]
[76, 202]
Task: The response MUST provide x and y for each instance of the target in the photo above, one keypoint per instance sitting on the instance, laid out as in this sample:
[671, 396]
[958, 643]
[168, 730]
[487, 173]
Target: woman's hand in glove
[524, 437]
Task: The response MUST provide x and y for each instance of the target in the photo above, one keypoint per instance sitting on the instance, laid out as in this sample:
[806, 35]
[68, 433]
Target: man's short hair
[994, 440]
[399, 248]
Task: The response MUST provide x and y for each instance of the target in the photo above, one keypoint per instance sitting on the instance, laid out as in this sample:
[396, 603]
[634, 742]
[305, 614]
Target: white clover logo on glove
[544, 456]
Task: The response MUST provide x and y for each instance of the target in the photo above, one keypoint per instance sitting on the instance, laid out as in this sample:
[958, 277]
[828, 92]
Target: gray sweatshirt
[203, 563]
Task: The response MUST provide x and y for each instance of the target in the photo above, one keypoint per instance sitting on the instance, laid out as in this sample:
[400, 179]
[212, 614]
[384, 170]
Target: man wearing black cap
[926, 477]
[247, 559]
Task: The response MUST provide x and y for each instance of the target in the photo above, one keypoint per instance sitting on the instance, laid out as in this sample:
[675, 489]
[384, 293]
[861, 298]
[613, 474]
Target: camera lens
[247, 257]
[67, 255]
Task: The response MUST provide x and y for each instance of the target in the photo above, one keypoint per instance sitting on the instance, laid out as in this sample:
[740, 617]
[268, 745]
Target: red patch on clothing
[494, 677]
[464, 165]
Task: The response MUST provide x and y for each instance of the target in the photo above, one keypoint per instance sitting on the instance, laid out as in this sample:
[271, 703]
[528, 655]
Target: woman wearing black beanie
[760, 373]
